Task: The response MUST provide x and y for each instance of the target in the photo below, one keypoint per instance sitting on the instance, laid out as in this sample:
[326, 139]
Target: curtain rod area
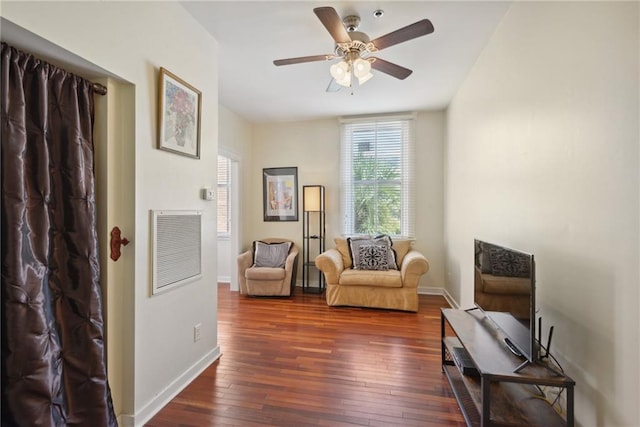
[99, 89]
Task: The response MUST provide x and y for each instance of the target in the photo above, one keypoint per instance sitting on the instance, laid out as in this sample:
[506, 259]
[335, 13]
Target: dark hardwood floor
[298, 362]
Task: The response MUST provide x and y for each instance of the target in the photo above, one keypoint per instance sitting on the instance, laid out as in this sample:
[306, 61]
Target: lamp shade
[365, 78]
[341, 73]
[362, 70]
[312, 198]
[361, 67]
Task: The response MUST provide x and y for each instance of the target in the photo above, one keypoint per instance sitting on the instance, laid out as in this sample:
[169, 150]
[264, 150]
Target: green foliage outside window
[377, 199]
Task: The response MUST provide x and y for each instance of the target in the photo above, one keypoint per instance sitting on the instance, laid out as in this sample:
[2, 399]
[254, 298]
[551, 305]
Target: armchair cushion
[264, 273]
[258, 280]
[270, 254]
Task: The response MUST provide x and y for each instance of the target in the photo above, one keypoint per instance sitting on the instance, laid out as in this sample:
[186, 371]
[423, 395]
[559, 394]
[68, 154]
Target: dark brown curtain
[53, 356]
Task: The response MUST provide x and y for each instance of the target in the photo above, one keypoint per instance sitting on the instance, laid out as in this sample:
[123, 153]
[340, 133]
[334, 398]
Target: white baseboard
[439, 291]
[171, 391]
[224, 279]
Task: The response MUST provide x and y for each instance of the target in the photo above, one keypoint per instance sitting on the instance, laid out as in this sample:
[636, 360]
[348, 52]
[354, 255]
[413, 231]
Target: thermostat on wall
[207, 194]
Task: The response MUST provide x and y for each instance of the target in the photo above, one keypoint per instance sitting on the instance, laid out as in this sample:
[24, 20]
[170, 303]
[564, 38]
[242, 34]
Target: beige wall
[314, 147]
[542, 155]
[129, 42]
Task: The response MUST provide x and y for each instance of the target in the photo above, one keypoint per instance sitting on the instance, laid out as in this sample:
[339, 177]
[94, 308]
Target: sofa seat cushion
[264, 273]
[385, 279]
[505, 285]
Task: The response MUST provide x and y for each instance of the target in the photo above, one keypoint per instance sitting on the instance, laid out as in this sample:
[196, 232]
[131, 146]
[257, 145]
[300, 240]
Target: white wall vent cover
[177, 248]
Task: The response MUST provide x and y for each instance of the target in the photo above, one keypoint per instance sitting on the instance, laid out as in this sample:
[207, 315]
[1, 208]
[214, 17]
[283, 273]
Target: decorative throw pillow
[270, 254]
[373, 257]
[485, 257]
[392, 254]
[356, 242]
[507, 263]
[353, 244]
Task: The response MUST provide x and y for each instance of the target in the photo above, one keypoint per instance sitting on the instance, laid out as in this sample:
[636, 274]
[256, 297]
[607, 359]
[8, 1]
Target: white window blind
[224, 183]
[377, 159]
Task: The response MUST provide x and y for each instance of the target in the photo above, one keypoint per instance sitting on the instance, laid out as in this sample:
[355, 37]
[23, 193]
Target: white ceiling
[251, 34]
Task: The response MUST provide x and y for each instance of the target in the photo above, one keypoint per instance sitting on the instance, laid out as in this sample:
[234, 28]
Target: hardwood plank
[297, 362]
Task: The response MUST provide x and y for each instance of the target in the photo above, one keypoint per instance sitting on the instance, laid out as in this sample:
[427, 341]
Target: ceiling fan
[355, 49]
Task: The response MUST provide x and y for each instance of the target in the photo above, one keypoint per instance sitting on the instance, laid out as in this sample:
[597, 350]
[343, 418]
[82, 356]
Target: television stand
[498, 396]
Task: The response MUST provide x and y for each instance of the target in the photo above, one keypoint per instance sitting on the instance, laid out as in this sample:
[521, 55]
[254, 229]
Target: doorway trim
[234, 196]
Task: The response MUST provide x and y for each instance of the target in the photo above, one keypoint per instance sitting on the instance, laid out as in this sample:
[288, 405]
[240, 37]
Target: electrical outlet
[196, 332]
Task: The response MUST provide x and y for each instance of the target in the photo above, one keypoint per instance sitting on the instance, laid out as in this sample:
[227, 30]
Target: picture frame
[179, 113]
[280, 194]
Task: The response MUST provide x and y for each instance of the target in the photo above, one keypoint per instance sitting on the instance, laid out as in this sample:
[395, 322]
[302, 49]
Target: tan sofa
[391, 289]
[267, 281]
[503, 293]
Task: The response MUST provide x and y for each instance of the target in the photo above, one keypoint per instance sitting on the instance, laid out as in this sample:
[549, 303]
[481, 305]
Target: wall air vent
[177, 248]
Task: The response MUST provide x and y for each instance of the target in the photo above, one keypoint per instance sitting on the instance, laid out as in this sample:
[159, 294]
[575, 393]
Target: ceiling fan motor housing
[351, 23]
[359, 44]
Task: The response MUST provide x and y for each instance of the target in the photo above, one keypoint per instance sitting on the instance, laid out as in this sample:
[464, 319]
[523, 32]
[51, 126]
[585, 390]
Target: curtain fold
[53, 356]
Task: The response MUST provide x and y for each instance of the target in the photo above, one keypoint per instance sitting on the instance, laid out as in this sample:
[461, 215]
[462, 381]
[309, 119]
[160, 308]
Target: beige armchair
[258, 277]
[392, 289]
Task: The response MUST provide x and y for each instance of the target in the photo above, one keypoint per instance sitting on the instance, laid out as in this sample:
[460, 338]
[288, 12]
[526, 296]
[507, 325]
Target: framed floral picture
[178, 115]
[280, 194]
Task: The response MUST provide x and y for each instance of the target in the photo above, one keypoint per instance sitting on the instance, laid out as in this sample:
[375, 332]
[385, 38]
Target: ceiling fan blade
[301, 59]
[417, 29]
[333, 86]
[390, 68]
[332, 22]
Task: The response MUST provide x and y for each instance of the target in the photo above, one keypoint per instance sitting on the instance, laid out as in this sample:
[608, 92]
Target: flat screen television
[504, 289]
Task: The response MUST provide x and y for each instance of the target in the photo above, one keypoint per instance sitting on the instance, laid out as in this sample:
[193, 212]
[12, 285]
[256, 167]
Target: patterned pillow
[393, 255]
[270, 254]
[508, 263]
[356, 242]
[373, 257]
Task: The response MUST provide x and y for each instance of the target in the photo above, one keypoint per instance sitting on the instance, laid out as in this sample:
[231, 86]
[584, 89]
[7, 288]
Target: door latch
[116, 241]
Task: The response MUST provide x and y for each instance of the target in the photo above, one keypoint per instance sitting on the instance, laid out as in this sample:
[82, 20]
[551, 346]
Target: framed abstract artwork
[280, 194]
[179, 110]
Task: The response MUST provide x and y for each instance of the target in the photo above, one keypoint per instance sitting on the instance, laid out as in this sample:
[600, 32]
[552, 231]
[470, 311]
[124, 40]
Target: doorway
[228, 218]
[114, 171]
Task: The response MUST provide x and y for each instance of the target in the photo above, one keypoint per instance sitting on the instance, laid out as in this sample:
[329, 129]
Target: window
[378, 176]
[224, 187]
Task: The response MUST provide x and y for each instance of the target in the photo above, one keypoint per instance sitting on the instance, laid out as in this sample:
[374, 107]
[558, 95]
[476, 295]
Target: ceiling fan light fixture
[361, 67]
[341, 73]
[363, 79]
[345, 81]
[362, 70]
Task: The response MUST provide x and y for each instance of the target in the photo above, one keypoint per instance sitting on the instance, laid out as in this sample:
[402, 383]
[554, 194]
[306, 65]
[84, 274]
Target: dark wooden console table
[498, 396]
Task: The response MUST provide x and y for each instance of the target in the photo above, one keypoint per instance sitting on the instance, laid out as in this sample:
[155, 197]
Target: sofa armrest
[245, 260]
[413, 266]
[290, 267]
[331, 264]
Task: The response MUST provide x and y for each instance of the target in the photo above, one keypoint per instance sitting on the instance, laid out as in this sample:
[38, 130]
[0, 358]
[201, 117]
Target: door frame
[234, 217]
